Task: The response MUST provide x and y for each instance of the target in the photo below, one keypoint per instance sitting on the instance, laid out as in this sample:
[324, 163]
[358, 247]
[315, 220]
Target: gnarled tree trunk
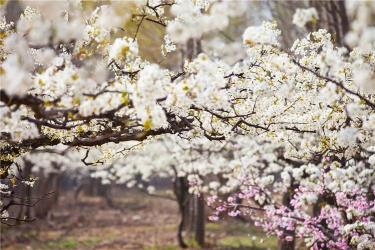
[332, 17]
[282, 12]
[284, 244]
[196, 204]
[180, 187]
[25, 211]
[199, 219]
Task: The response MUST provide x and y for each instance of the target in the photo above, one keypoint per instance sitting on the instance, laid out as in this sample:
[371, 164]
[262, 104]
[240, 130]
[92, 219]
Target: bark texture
[332, 17]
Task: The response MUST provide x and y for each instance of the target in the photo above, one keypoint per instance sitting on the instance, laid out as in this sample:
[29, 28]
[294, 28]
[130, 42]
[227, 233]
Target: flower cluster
[302, 17]
[285, 131]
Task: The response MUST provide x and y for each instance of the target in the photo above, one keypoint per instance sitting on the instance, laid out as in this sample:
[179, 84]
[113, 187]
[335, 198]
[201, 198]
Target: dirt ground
[138, 222]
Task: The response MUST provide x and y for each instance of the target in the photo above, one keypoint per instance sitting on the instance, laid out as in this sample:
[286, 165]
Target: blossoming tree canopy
[298, 122]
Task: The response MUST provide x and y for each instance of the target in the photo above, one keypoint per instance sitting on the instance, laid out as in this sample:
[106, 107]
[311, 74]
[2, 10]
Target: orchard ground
[139, 221]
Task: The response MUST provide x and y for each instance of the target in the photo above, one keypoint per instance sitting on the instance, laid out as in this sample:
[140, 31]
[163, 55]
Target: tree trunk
[283, 244]
[193, 48]
[317, 207]
[25, 193]
[51, 183]
[332, 17]
[192, 212]
[105, 192]
[13, 10]
[180, 187]
[282, 12]
[78, 190]
[199, 220]
[191, 207]
[189, 215]
[93, 187]
[196, 213]
[286, 245]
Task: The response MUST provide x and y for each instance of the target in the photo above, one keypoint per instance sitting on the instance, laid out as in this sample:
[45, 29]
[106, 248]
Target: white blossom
[123, 49]
[264, 34]
[305, 16]
[347, 137]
